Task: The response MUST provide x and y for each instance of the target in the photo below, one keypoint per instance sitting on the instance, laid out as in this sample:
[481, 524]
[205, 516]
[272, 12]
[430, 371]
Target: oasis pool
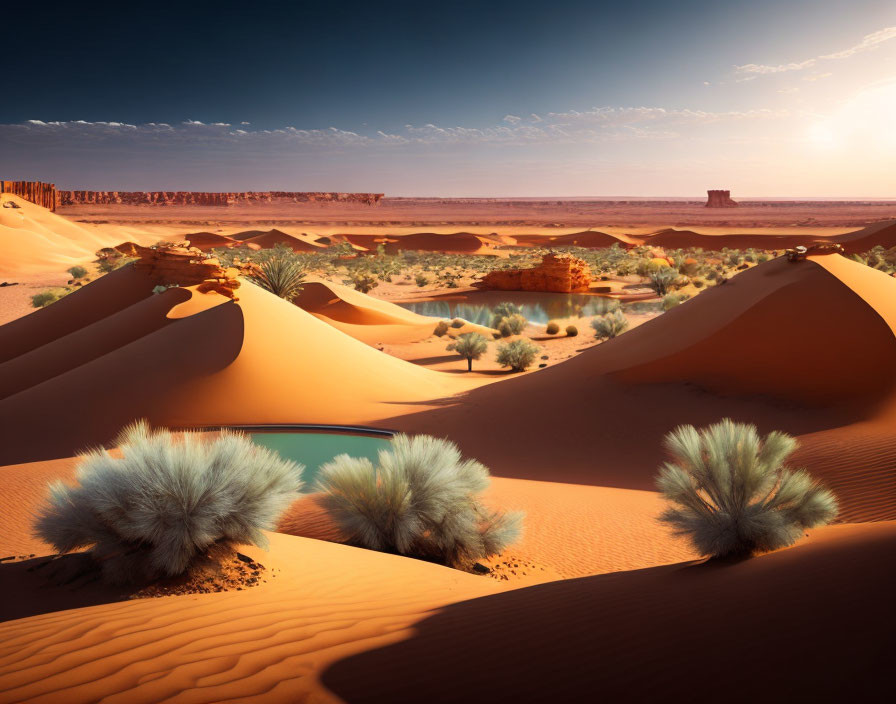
[315, 449]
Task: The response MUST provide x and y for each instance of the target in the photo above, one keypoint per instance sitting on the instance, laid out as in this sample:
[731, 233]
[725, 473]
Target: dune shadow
[43, 585]
[673, 633]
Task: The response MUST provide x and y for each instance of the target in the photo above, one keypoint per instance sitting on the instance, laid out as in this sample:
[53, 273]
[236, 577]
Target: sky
[489, 98]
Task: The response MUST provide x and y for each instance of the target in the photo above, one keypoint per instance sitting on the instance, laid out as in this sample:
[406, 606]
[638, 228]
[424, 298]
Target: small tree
[732, 492]
[610, 325]
[470, 346]
[282, 273]
[518, 355]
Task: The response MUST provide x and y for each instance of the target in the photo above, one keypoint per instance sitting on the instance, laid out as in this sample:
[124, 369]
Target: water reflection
[537, 307]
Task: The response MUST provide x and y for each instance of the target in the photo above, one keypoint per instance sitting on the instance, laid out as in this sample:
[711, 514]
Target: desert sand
[597, 593]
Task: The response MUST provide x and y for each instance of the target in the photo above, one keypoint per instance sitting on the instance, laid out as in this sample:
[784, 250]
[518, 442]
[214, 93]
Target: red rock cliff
[719, 199]
[43, 194]
[201, 198]
[186, 266]
[559, 273]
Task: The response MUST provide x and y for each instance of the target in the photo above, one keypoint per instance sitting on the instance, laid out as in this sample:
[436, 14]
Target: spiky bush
[732, 492]
[610, 325]
[518, 355]
[512, 325]
[168, 500]
[470, 346]
[283, 274]
[552, 328]
[571, 331]
[420, 500]
[662, 280]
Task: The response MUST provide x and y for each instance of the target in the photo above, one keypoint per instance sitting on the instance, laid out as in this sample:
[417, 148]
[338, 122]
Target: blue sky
[521, 98]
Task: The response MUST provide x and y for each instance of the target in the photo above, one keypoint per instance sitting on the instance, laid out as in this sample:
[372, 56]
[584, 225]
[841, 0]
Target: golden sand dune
[778, 623]
[588, 238]
[335, 623]
[800, 347]
[258, 360]
[33, 239]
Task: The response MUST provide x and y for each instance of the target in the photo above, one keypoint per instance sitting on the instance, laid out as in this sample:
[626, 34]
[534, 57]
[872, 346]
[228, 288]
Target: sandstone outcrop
[215, 199]
[180, 265]
[558, 273]
[719, 199]
[43, 194]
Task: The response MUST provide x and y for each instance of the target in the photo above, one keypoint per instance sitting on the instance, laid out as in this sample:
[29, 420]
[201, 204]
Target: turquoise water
[315, 449]
[537, 307]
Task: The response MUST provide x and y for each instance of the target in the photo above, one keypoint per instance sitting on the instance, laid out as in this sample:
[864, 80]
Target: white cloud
[869, 42]
[599, 124]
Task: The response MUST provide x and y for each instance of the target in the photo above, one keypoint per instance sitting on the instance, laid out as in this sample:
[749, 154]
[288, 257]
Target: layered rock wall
[558, 273]
[202, 198]
[43, 194]
[719, 199]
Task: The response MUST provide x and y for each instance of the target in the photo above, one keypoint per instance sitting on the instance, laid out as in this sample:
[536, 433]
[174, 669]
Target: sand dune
[759, 349]
[272, 238]
[33, 239]
[456, 242]
[820, 630]
[588, 238]
[880, 234]
[208, 240]
[258, 360]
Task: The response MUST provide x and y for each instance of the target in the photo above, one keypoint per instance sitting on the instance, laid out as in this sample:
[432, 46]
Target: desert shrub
[518, 355]
[470, 346]
[170, 499]
[698, 283]
[662, 279]
[441, 328]
[732, 492]
[283, 274]
[361, 281]
[670, 300]
[77, 272]
[458, 323]
[552, 328]
[504, 310]
[571, 331]
[421, 280]
[610, 325]
[421, 500]
[44, 298]
[512, 325]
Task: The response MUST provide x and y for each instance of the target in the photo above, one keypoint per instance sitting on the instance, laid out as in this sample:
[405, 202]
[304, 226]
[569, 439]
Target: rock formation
[43, 194]
[180, 265]
[720, 199]
[559, 273]
[201, 198]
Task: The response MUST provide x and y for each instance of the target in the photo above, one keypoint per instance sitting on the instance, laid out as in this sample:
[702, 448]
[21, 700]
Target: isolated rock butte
[557, 273]
[202, 198]
[178, 265]
[719, 199]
